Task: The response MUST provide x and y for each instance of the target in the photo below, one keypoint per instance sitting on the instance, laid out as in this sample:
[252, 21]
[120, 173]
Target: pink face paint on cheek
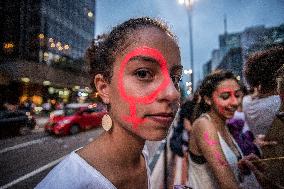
[157, 55]
[232, 100]
[218, 104]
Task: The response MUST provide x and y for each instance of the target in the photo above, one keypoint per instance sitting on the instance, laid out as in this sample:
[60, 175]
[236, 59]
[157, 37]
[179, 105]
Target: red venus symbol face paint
[149, 52]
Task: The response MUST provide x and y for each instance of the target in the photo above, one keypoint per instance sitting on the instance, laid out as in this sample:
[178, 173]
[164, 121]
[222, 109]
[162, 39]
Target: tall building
[42, 48]
[235, 48]
[226, 42]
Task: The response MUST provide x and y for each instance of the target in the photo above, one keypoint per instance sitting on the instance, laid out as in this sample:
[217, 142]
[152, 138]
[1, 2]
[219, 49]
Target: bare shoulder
[203, 124]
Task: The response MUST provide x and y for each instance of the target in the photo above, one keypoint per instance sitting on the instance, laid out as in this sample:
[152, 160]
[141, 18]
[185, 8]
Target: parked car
[11, 122]
[75, 118]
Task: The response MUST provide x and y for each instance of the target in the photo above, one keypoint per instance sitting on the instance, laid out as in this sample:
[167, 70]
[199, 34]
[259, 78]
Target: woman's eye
[225, 96]
[144, 74]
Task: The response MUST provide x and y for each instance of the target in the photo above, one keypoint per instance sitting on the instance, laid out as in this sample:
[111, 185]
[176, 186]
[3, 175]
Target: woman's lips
[163, 118]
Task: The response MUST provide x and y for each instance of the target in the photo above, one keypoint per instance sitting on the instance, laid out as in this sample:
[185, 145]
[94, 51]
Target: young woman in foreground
[213, 152]
[136, 70]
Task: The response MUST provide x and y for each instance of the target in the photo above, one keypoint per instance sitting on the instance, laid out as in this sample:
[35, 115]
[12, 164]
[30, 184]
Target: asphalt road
[26, 160]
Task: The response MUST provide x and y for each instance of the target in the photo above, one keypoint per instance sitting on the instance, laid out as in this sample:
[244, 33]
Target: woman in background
[213, 153]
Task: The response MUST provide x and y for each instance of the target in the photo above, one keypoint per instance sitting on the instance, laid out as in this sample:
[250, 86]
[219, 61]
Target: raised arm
[207, 143]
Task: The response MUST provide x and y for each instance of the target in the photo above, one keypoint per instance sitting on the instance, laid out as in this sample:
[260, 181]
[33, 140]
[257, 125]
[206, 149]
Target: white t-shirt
[260, 112]
[75, 173]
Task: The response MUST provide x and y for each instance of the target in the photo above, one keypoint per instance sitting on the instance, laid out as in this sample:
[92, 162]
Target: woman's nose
[170, 93]
[235, 101]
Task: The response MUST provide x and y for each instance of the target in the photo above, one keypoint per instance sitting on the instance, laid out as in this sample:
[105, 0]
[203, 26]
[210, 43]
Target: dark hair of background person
[244, 90]
[187, 111]
[261, 67]
[101, 54]
[209, 85]
[280, 80]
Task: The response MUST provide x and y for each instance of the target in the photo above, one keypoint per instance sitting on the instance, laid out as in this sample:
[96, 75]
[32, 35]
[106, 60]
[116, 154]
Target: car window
[70, 111]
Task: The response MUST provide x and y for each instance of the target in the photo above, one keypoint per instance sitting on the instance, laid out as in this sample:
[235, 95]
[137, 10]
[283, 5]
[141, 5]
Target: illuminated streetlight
[46, 83]
[90, 14]
[41, 36]
[188, 84]
[8, 45]
[58, 44]
[66, 47]
[188, 4]
[25, 79]
[189, 71]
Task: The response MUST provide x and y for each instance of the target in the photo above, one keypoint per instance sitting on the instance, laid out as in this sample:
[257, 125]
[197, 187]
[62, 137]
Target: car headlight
[63, 122]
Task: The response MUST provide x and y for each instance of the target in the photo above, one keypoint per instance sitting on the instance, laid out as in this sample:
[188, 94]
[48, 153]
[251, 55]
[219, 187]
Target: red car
[75, 119]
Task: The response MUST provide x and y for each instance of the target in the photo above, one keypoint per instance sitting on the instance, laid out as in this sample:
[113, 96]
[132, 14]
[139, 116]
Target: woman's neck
[125, 147]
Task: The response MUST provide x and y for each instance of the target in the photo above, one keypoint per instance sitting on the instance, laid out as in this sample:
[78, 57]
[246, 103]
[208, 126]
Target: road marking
[20, 179]
[23, 145]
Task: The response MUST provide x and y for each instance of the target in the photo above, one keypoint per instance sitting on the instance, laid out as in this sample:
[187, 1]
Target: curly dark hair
[261, 67]
[209, 85]
[101, 54]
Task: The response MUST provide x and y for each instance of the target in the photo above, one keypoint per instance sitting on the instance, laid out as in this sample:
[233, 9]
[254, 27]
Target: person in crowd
[258, 167]
[181, 131]
[275, 154]
[242, 135]
[180, 137]
[261, 107]
[136, 70]
[213, 153]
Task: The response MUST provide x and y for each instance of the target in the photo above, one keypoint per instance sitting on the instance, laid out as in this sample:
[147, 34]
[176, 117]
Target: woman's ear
[102, 87]
[208, 100]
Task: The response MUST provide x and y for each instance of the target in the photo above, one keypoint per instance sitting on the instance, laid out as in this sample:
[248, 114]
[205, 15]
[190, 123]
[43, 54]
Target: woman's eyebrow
[144, 58]
[226, 90]
[153, 60]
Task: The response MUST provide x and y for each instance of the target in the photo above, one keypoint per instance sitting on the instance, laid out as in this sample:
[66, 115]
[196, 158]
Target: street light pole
[188, 5]
[189, 13]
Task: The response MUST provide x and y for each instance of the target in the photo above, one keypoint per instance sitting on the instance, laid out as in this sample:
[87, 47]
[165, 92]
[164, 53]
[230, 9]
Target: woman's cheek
[219, 105]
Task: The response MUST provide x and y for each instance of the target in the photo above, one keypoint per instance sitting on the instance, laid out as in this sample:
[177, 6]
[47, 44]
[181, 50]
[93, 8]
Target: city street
[25, 160]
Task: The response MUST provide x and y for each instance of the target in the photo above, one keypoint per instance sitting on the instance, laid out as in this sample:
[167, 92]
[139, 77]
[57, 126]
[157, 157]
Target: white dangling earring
[106, 122]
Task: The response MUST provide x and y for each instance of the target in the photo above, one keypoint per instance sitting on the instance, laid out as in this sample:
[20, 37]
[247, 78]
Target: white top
[200, 176]
[260, 112]
[75, 173]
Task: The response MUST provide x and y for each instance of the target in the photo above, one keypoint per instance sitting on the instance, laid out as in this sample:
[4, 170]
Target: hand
[258, 167]
[260, 141]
